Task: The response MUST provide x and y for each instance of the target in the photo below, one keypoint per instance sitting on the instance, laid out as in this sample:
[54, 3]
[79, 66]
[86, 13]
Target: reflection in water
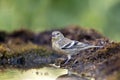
[32, 74]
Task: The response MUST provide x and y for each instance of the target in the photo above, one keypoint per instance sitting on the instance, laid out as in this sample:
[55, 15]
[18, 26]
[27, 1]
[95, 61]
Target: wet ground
[25, 49]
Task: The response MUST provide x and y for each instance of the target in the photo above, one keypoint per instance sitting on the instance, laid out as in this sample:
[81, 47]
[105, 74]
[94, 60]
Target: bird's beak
[53, 35]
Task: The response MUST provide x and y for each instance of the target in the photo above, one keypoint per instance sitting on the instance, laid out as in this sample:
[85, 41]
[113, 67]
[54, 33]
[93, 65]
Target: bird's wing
[82, 45]
[68, 45]
[74, 44]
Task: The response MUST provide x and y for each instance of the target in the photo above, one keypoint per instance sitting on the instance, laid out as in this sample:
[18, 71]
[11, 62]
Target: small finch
[67, 46]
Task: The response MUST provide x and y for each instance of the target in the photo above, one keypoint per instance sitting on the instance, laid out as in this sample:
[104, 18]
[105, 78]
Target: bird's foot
[54, 66]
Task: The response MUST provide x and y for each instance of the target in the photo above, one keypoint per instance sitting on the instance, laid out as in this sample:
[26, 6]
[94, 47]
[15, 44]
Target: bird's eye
[58, 33]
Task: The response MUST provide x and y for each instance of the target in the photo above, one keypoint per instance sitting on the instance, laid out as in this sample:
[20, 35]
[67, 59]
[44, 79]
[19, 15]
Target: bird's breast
[57, 48]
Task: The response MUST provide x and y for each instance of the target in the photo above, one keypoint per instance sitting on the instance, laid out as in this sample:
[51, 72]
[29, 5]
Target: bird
[67, 46]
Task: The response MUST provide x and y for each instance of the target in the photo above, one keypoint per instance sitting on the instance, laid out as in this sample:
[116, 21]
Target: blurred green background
[40, 15]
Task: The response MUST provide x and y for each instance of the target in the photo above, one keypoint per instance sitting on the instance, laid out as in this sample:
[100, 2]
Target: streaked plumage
[67, 46]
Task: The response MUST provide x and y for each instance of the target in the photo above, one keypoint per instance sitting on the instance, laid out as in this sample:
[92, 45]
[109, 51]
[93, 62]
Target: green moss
[42, 51]
[17, 50]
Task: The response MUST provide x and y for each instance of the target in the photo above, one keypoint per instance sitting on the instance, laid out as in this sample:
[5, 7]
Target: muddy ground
[25, 49]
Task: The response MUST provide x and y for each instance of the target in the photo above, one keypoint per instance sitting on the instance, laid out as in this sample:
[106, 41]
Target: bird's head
[57, 35]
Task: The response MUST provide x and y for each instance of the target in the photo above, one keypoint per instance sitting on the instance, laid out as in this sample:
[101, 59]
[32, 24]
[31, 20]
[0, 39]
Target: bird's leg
[75, 61]
[69, 57]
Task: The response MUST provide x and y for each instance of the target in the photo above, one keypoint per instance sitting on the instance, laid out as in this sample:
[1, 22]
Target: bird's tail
[92, 46]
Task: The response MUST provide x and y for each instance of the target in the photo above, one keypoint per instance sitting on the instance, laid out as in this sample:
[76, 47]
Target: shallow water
[45, 73]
